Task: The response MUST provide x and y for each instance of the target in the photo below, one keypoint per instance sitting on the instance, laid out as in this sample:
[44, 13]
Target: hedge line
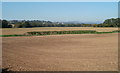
[60, 32]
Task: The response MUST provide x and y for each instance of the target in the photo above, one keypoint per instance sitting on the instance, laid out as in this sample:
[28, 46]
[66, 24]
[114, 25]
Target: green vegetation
[60, 32]
[113, 22]
[14, 35]
[69, 32]
[4, 24]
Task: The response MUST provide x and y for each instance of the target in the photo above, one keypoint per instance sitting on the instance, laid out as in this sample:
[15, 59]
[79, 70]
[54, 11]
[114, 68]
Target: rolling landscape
[55, 44]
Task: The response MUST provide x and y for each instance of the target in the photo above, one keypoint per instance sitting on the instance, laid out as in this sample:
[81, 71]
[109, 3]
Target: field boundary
[39, 33]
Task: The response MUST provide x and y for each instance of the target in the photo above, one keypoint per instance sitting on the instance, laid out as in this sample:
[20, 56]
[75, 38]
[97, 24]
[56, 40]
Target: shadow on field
[6, 70]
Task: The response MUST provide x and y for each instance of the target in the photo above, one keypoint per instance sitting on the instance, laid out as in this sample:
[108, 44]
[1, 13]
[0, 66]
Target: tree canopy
[113, 22]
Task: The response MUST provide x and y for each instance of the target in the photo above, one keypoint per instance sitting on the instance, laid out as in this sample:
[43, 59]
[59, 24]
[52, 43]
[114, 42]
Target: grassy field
[11, 31]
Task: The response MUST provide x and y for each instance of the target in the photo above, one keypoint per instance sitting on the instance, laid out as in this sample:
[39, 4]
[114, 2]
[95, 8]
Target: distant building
[12, 25]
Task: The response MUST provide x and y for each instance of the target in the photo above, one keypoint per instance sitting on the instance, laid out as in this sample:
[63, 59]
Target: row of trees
[7, 24]
[112, 22]
[36, 23]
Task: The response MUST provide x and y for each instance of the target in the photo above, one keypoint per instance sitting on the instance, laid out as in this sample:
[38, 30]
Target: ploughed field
[68, 52]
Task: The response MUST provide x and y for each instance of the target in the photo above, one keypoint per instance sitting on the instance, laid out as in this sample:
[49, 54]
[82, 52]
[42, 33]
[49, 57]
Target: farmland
[67, 52]
[10, 31]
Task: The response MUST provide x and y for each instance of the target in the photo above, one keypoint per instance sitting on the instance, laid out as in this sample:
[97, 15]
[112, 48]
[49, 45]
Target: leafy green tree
[26, 24]
[4, 24]
[112, 22]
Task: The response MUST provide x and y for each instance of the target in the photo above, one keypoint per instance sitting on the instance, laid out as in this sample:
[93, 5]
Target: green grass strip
[11, 35]
[34, 33]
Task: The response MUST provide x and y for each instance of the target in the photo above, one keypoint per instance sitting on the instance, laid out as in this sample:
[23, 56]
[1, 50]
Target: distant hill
[113, 22]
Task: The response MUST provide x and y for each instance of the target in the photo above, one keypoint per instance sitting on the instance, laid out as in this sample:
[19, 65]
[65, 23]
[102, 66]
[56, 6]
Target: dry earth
[78, 52]
[9, 31]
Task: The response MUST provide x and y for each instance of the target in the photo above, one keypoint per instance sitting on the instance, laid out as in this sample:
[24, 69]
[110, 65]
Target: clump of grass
[117, 31]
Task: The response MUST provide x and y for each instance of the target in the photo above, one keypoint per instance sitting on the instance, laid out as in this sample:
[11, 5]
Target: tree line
[113, 22]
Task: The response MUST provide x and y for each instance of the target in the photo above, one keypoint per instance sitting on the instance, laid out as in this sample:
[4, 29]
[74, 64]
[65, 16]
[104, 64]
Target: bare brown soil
[78, 52]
